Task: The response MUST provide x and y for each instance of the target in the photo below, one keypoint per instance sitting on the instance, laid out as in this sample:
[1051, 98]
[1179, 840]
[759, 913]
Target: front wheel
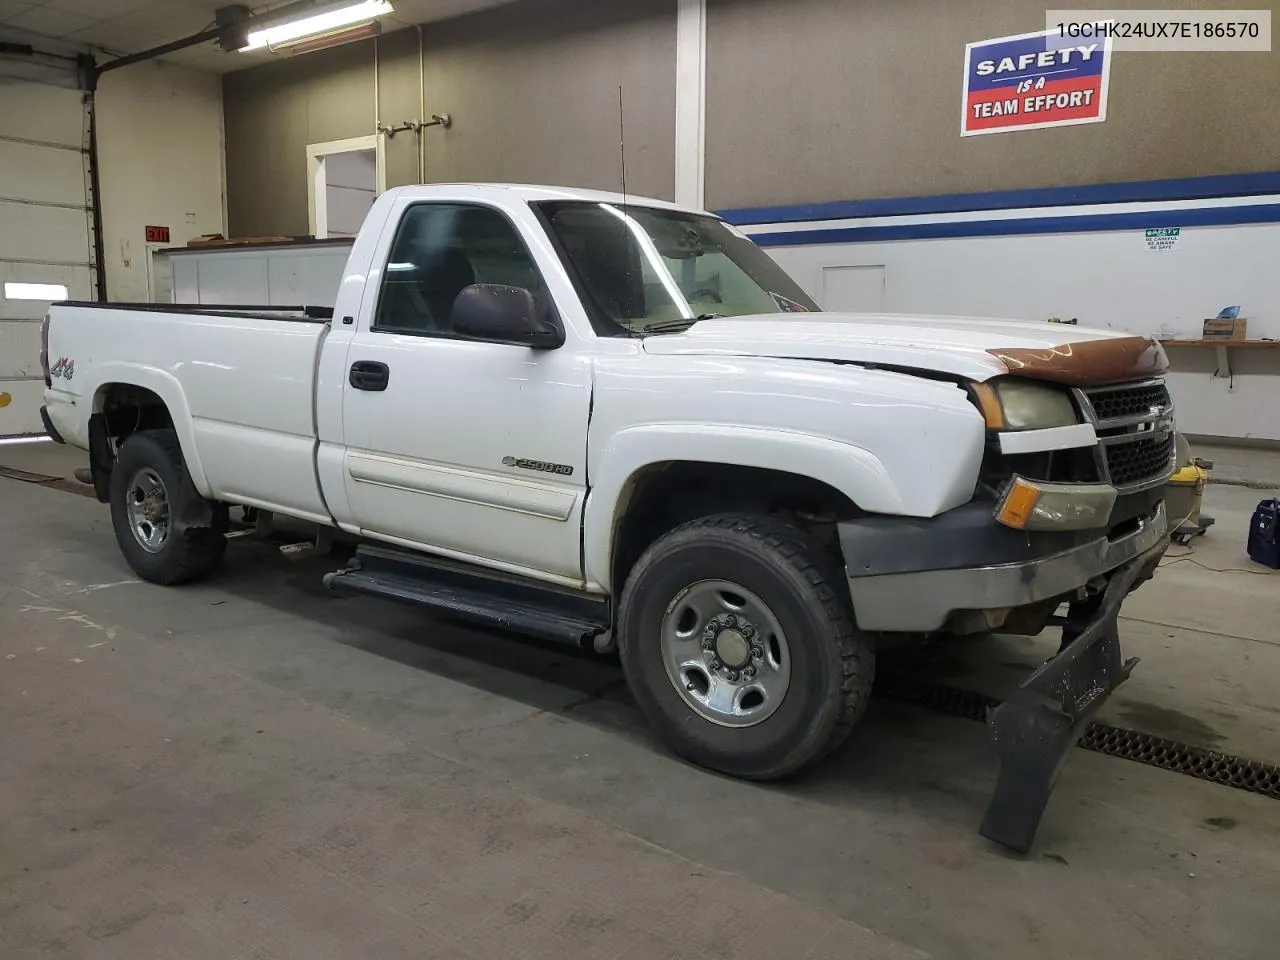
[150, 490]
[739, 645]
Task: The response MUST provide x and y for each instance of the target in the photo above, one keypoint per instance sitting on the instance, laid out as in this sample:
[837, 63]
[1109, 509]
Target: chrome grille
[1121, 402]
[1135, 427]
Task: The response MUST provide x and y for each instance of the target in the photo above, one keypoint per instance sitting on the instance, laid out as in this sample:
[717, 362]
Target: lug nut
[748, 631]
[715, 663]
[732, 675]
[749, 673]
[757, 653]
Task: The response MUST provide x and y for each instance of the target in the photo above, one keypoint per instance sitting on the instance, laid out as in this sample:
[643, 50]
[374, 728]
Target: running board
[478, 597]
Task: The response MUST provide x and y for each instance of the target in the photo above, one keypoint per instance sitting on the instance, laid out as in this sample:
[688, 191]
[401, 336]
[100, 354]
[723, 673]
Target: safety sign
[1032, 81]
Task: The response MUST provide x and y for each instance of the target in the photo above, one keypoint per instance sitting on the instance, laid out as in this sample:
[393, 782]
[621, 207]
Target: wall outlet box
[1224, 329]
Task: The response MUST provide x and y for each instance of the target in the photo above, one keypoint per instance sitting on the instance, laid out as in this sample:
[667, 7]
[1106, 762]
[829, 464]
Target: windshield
[644, 271]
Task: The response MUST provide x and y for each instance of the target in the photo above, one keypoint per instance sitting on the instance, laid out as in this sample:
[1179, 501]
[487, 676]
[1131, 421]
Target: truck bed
[240, 380]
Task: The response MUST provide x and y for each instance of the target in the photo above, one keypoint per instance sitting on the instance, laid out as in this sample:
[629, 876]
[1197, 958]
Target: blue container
[1264, 534]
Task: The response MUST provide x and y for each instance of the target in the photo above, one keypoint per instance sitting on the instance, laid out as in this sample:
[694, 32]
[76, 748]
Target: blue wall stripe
[1203, 217]
[1196, 188]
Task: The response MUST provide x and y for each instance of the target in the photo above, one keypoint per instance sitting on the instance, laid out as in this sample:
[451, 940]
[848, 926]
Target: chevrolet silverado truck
[619, 424]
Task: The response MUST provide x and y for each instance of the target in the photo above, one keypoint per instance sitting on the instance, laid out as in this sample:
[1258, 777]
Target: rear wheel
[739, 645]
[150, 493]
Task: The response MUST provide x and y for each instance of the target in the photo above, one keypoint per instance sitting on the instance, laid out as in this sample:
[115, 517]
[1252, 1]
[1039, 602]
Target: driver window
[439, 250]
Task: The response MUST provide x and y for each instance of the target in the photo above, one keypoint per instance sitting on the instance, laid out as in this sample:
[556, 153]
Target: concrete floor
[249, 768]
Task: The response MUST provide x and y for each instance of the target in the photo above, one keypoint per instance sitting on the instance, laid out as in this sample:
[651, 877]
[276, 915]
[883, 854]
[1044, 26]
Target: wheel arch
[850, 476]
[118, 379]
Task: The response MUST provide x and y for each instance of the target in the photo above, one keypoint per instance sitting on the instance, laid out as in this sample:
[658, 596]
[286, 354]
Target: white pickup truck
[618, 423]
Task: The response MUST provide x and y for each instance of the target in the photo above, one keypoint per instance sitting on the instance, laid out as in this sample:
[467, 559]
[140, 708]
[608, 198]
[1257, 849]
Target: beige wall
[159, 163]
[532, 89]
[807, 101]
[272, 113]
[816, 100]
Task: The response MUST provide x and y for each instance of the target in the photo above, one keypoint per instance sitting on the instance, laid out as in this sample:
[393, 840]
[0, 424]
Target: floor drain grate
[936, 697]
[1252, 776]
[1232, 771]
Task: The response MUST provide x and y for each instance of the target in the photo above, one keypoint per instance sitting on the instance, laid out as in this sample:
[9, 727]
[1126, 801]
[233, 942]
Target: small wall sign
[1163, 238]
[157, 234]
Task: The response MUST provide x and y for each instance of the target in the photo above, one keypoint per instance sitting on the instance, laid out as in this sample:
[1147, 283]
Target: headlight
[1023, 405]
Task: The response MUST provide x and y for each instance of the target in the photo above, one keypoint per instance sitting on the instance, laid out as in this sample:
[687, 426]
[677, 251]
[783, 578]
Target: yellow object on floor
[1184, 495]
[1190, 476]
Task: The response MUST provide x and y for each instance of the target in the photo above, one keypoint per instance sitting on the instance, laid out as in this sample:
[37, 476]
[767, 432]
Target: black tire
[832, 664]
[185, 555]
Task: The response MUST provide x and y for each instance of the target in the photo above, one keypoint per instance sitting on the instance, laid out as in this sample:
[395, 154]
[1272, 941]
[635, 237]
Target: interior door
[471, 449]
[855, 289]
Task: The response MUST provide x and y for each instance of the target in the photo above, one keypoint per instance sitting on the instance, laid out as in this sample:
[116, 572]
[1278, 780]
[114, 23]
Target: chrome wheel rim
[725, 653]
[147, 505]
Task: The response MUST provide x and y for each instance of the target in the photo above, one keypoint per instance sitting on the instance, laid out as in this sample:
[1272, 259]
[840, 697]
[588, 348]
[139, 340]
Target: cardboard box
[1224, 329]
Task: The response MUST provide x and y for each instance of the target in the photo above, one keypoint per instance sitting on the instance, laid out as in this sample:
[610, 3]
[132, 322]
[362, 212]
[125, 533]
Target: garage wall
[159, 164]
[271, 113]
[532, 89]
[818, 100]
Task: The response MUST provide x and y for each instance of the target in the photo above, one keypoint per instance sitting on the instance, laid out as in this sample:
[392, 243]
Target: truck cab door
[470, 449]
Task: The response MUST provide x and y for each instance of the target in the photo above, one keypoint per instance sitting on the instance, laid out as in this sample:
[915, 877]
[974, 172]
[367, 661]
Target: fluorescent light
[318, 23]
[35, 291]
[329, 39]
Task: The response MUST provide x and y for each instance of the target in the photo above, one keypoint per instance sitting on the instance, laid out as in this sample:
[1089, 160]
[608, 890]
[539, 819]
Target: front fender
[169, 389]
[855, 472]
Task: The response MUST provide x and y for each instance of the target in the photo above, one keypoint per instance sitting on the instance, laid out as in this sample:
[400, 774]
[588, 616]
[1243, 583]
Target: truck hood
[973, 348]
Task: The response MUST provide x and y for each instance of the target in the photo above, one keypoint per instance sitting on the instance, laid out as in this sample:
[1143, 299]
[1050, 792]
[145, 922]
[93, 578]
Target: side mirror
[503, 314]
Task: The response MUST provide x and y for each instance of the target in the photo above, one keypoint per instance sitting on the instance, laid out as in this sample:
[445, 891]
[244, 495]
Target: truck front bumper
[921, 576]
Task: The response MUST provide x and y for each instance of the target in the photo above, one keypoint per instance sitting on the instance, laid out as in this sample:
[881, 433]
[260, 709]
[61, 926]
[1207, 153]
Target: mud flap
[1033, 731]
[102, 458]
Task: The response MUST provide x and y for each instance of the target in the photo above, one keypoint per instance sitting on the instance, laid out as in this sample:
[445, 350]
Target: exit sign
[157, 234]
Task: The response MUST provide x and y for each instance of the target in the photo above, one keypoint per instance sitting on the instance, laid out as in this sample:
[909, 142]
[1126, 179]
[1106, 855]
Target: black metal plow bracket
[1033, 732]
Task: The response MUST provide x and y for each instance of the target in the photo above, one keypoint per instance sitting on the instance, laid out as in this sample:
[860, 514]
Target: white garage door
[45, 233]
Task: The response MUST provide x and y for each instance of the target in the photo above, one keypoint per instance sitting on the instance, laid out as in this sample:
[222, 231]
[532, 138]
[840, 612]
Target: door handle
[370, 375]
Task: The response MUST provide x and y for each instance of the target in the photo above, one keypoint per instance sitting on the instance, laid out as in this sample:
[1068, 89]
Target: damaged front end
[1069, 509]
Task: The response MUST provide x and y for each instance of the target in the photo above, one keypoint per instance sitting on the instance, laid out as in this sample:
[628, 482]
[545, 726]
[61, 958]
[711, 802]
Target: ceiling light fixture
[284, 35]
[323, 41]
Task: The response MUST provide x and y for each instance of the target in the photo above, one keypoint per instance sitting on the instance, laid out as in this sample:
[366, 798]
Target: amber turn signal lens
[989, 404]
[1019, 504]
[1040, 505]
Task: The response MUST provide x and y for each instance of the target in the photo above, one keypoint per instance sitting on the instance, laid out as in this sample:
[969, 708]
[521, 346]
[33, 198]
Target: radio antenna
[626, 216]
[622, 146]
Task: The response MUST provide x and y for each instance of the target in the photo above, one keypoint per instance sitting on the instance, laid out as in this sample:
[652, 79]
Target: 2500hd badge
[540, 466]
